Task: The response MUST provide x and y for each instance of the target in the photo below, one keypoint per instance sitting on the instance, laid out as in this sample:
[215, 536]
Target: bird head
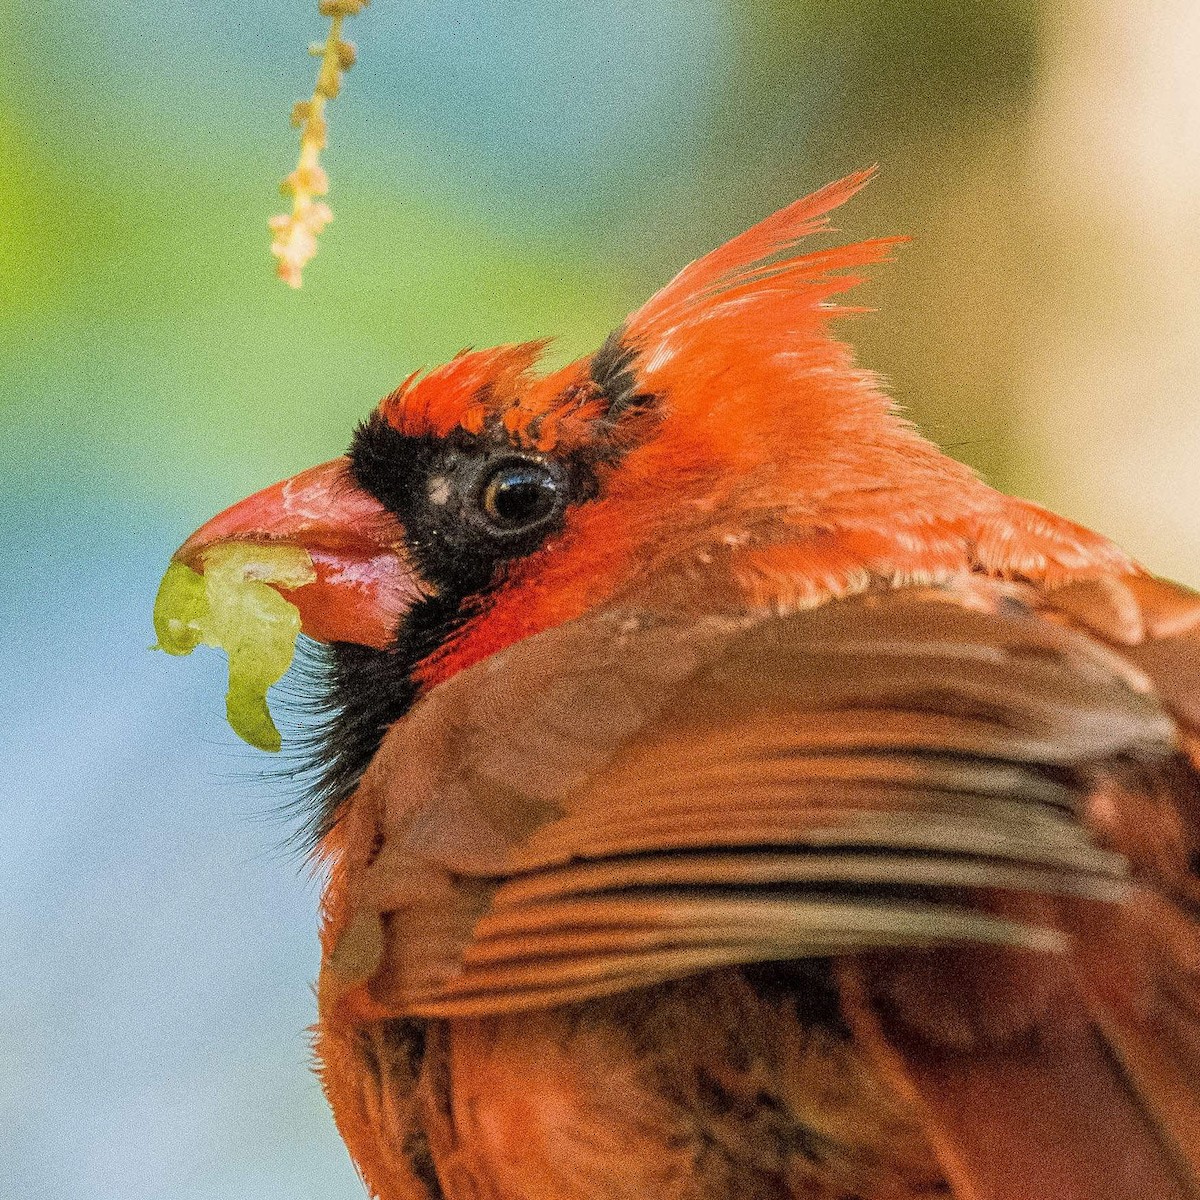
[719, 450]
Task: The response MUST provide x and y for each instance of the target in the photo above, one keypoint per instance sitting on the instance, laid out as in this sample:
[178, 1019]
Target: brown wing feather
[1103, 1101]
[898, 758]
[1157, 1043]
[1041, 1117]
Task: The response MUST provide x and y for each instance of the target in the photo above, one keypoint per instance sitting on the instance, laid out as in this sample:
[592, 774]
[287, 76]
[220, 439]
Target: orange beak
[364, 582]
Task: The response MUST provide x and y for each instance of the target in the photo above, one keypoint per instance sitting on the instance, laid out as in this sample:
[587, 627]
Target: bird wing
[979, 801]
[631, 797]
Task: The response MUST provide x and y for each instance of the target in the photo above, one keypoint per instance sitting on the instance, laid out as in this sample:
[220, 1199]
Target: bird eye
[519, 495]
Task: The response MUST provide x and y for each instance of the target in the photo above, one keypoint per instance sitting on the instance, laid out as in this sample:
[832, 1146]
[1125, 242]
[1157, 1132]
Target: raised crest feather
[762, 262]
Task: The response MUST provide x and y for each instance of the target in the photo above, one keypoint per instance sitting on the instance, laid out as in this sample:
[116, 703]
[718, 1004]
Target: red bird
[728, 795]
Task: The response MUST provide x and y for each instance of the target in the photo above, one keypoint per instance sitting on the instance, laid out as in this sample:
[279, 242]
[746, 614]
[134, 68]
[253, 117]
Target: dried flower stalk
[295, 233]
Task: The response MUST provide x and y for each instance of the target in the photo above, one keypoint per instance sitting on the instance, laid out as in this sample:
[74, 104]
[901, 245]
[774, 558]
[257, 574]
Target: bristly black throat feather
[361, 691]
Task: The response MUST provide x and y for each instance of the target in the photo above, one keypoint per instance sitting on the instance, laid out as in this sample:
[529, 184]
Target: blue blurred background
[500, 172]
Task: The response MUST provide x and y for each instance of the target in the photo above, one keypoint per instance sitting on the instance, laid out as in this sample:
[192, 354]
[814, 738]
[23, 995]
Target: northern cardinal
[727, 794]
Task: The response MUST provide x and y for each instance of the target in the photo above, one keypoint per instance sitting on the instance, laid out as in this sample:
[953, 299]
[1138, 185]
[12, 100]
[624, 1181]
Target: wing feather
[894, 756]
[1110, 1105]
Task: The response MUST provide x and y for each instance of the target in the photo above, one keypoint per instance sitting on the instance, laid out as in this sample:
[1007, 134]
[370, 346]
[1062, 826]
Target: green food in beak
[234, 606]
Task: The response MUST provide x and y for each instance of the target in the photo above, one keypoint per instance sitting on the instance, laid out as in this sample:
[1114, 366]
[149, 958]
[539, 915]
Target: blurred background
[500, 172]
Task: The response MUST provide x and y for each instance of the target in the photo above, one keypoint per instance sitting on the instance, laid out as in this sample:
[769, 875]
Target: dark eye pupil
[521, 495]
